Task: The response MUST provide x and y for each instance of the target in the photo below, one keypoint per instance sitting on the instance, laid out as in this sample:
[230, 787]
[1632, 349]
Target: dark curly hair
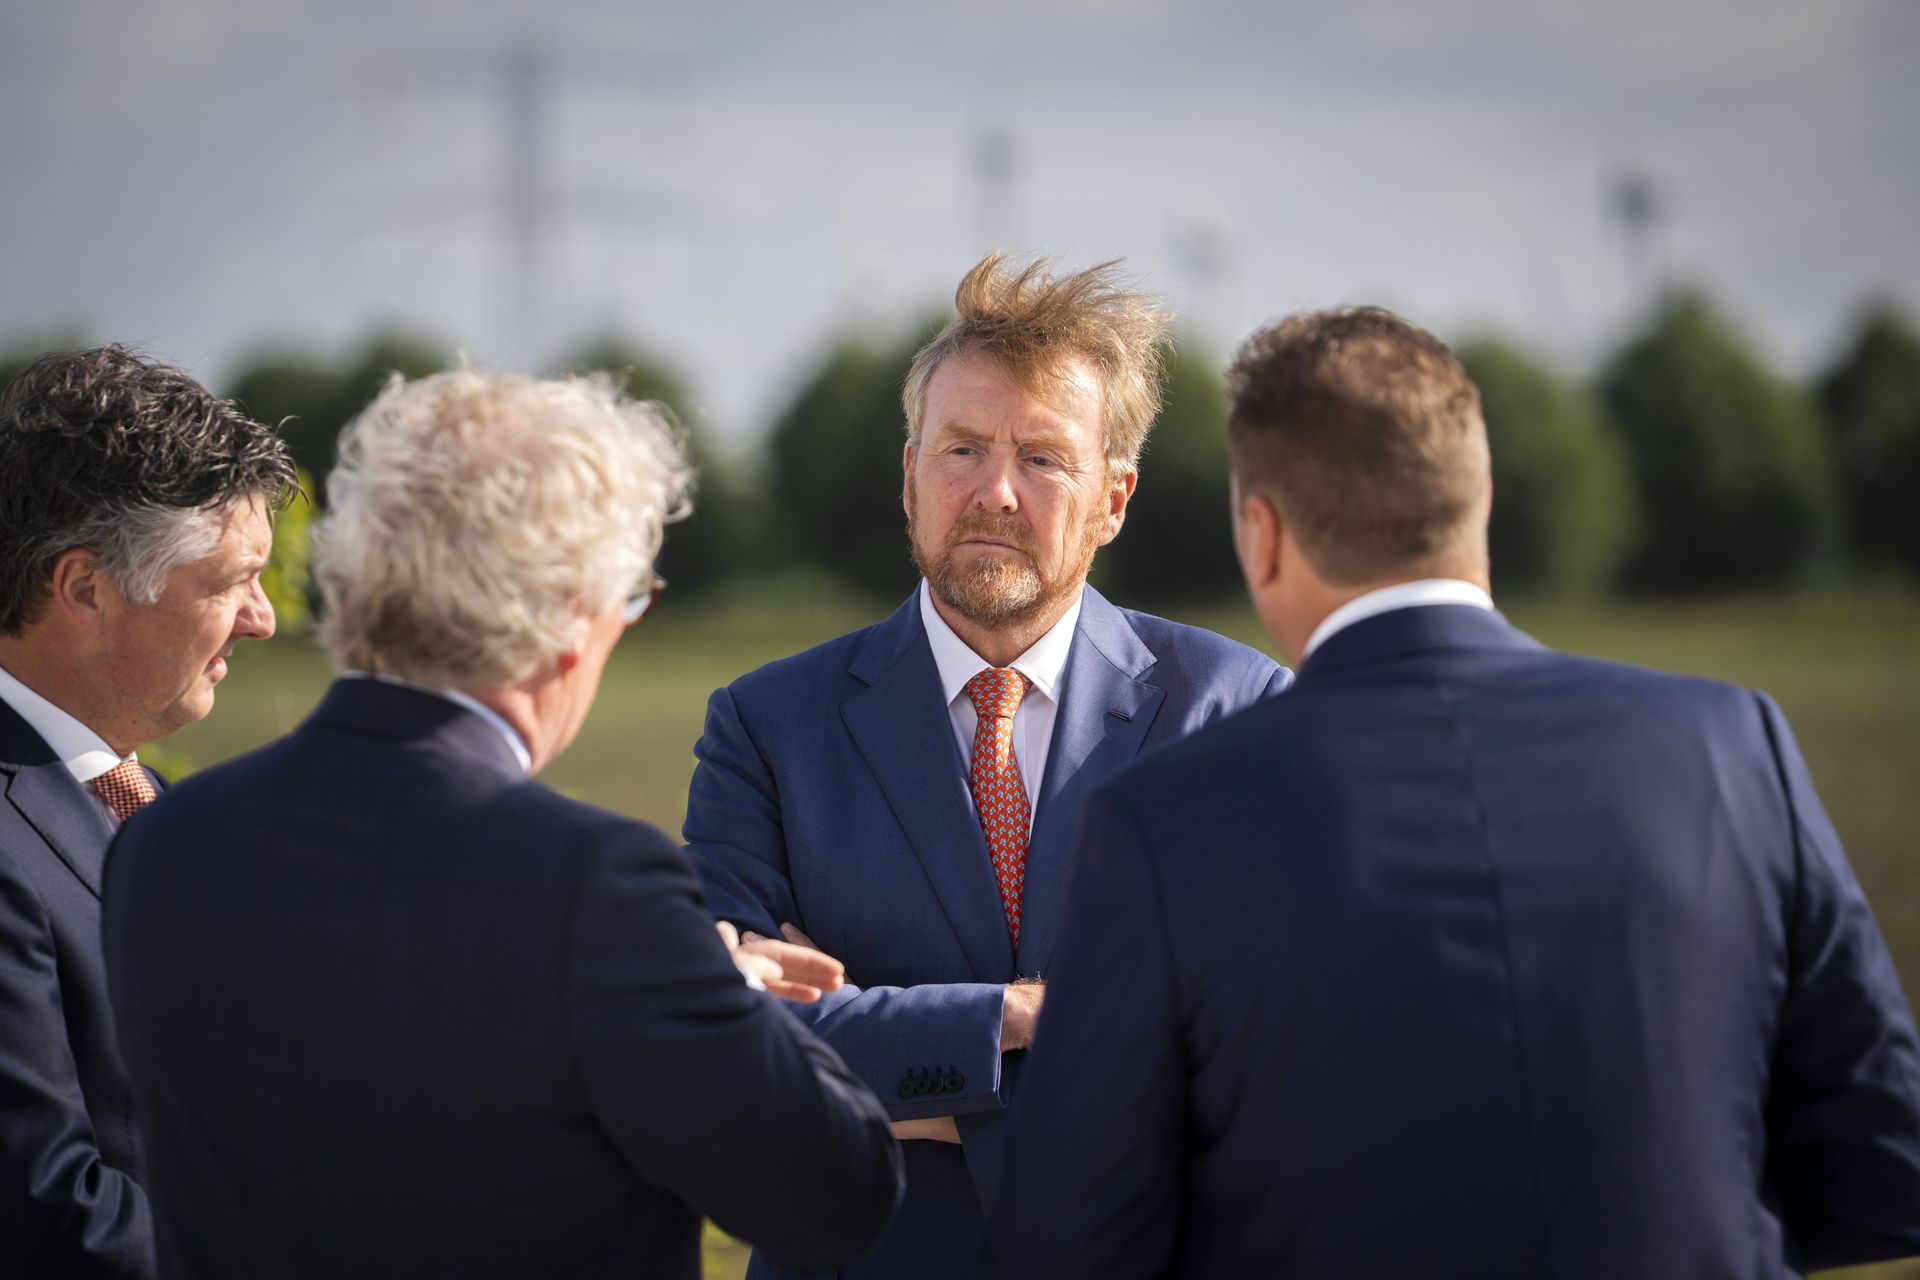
[104, 449]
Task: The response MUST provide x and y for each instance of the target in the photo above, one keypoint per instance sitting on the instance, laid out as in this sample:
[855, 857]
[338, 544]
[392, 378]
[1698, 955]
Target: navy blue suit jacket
[393, 1009]
[70, 1170]
[830, 792]
[1467, 958]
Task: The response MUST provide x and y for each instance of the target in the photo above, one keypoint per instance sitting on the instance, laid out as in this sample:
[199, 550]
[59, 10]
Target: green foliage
[1871, 397]
[721, 538]
[1562, 507]
[1177, 544]
[289, 573]
[312, 400]
[1728, 462]
[296, 395]
[834, 454]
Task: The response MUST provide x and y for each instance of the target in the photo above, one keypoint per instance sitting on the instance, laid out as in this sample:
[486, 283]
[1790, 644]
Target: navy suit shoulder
[71, 1201]
[1555, 963]
[1197, 656]
[391, 1008]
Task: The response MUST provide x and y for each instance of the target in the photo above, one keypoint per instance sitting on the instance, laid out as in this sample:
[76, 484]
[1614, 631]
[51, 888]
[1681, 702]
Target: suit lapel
[51, 801]
[901, 726]
[1106, 708]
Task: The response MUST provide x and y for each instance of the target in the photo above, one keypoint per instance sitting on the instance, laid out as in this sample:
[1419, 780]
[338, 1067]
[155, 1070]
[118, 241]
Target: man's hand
[937, 1129]
[799, 973]
[1020, 1013]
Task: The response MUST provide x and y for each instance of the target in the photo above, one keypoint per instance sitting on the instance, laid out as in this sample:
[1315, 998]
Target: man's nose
[996, 490]
[255, 619]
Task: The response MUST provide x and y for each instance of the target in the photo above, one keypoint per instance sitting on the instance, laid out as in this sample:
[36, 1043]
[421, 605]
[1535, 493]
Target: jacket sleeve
[63, 1211]
[926, 1050]
[1843, 1115]
[709, 1088]
[1091, 1187]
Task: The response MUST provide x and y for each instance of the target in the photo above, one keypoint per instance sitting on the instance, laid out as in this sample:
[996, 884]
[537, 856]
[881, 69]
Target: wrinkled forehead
[1065, 383]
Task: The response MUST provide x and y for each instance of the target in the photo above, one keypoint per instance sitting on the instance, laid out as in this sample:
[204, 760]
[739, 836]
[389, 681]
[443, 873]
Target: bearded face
[985, 567]
[1008, 496]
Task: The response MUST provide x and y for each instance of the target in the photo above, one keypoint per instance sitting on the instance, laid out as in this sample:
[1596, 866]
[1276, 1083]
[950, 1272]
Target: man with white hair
[392, 1008]
[134, 522]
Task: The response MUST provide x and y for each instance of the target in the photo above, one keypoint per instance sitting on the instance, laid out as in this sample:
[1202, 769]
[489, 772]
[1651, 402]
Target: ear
[1257, 535]
[81, 589]
[1119, 492]
[578, 635]
[906, 476]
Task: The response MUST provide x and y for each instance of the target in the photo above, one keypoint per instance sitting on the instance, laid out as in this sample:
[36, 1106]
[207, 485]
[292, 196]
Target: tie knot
[997, 691]
[126, 788]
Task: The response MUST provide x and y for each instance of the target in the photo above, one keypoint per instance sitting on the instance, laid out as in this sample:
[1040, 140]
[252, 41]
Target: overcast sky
[734, 184]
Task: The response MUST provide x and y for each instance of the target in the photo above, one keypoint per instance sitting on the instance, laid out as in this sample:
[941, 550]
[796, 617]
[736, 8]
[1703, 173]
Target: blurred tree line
[1684, 466]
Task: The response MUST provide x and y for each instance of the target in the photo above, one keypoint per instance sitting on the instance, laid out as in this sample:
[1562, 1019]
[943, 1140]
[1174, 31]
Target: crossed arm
[931, 1051]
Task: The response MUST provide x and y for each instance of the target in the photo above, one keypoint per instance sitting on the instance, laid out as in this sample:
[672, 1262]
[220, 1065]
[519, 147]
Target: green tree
[720, 539]
[298, 394]
[834, 456]
[1871, 398]
[1562, 506]
[1177, 544]
[1731, 472]
[312, 400]
[288, 577]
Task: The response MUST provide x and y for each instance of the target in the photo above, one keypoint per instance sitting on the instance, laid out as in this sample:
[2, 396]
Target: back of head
[1365, 432]
[474, 518]
[1034, 325]
[104, 449]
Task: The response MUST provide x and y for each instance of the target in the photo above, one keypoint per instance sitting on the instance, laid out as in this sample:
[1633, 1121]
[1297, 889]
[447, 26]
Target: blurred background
[1677, 242]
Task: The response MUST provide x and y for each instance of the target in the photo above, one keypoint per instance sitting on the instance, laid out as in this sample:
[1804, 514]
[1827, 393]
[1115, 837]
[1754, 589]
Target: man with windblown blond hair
[906, 796]
[390, 1007]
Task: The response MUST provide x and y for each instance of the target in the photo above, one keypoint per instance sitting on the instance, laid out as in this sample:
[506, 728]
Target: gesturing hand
[795, 972]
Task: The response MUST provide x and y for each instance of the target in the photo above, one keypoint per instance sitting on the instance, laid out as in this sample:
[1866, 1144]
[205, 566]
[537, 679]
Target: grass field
[1842, 667]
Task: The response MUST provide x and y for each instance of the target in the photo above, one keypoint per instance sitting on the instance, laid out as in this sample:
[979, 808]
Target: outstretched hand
[794, 971]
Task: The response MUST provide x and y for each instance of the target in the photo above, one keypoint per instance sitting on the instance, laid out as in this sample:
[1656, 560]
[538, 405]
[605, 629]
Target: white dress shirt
[84, 752]
[1042, 665]
[493, 718]
[1401, 595]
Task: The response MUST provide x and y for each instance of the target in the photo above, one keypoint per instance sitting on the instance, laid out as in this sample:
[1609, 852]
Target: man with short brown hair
[1465, 958]
[907, 795]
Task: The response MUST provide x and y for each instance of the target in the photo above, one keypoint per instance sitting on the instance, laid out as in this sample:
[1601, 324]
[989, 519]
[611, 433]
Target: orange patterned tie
[126, 788]
[999, 793]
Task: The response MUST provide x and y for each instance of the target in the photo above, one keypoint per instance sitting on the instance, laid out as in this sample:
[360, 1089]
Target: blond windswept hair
[1032, 324]
[473, 519]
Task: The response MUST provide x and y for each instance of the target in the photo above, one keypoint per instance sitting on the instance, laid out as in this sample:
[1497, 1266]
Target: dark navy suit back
[393, 1009]
[1491, 961]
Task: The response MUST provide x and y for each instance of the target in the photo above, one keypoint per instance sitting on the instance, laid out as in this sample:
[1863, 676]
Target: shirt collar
[1042, 664]
[470, 703]
[84, 752]
[1401, 595]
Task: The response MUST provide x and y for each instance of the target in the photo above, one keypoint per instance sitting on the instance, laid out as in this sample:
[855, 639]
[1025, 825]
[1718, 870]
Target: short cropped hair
[1032, 324]
[472, 519]
[1366, 433]
[134, 459]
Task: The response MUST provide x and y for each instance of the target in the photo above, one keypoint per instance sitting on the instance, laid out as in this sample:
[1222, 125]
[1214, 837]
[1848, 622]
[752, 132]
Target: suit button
[923, 1085]
[906, 1086]
[955, 1082]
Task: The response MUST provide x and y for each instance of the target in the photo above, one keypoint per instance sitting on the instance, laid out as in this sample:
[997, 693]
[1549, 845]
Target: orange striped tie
[126, 788]
[999, 792]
